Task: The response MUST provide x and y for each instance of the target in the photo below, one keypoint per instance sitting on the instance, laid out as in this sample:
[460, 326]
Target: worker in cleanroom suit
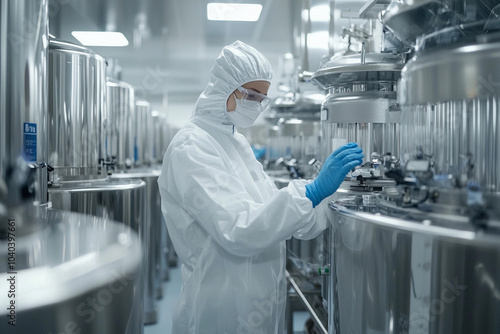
[227, 220]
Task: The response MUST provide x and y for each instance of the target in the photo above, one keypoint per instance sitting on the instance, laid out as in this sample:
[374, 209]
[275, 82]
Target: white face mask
[244, 115]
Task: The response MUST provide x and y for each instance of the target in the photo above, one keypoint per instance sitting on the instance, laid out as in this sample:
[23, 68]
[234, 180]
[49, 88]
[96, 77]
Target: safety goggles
[251, 95]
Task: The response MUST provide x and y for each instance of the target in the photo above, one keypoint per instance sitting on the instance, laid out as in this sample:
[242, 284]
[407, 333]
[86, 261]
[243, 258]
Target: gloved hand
[333, 172]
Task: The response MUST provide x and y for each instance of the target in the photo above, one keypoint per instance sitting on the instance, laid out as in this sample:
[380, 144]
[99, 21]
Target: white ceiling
[172, 44]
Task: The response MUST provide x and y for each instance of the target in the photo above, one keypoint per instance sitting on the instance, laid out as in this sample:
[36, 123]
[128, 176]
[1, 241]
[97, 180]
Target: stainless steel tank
[294, 133]
[161, 139]
[79, 89]
[70, 273]
[152, 237]
[23, 96]
[157, 138]
[411, 272]
[77, 92]
[450, 99]
[304, 139]
[121, 200]
[159, 146]
[421, 257]
[411, 19]
[362, 103]
[120, 120]
[361, 107]
[162, 136]
[144, 133]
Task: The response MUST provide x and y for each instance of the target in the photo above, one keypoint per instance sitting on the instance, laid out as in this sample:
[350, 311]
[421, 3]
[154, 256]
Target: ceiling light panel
[217, 11]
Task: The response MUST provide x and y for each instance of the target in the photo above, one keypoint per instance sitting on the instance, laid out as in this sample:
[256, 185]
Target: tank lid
[305, 100]
[358, 69]
[303, 106]
[409, 20]
[112, 82]
[460, 35]
[451, 74]
[98, 185]
[74, 254]
[56, 44]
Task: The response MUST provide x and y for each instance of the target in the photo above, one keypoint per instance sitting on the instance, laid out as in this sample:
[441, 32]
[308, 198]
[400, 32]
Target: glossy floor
[165, 306]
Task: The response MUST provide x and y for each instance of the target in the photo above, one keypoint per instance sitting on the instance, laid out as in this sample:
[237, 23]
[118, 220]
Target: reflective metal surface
[359, 69]
[391, 275]
[304, 105]
[77, 79]
[157, 138]
[152, 237]
[460, 73]
[293, 134]
[120, 120]
[411, 19]
[371, 120]
[74, 273]
[365, 107]
[372, 137]
[163, 134]
[449, 102]
[121, 200]
[420, 257]
[361, 105]
[23, 88]
[144, 133]
[297, 139]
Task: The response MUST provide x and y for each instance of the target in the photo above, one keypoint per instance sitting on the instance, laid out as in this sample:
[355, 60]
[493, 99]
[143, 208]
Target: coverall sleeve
[311, 231]
[212, 193]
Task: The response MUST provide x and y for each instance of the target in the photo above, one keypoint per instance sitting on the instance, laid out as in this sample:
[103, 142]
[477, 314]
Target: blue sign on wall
[29, 141]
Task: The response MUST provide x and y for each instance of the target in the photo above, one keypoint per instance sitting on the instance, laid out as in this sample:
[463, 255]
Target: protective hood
[237, 64]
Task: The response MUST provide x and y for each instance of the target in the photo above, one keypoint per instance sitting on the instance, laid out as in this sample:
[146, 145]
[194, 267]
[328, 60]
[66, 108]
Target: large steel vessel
[86, 135]
[120, 134]
[144, 129]
[70, 273]
[153, 235]
[421, 256]
[76, 109]
[23, 101]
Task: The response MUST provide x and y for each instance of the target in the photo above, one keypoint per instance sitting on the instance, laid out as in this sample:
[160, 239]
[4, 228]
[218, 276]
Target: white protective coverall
[227, 220]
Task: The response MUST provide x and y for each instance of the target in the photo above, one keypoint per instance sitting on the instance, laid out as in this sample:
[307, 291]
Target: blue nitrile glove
[333, 172]
[258, 152]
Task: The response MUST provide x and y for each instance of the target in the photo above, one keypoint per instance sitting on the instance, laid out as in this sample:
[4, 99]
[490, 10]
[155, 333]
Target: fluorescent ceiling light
[217, 11]
[320, 13]
[318, 40]
[100, 38]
